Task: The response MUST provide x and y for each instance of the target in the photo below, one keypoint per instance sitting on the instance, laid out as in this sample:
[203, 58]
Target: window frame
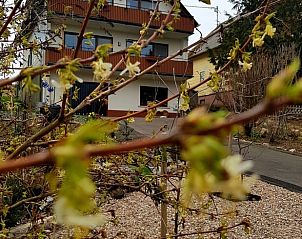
[139, 4]
[161, 44]
[155, 97]
[153, 44]
[95, 37]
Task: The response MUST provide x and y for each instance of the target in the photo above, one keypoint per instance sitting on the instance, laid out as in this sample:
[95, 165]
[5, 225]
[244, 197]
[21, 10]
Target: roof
[185, 12]
[211, 43]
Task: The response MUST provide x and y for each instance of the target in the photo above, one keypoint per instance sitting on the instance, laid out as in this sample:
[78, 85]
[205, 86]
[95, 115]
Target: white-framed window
[153, 94]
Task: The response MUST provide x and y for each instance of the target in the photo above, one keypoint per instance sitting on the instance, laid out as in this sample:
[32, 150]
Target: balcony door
[81, 90]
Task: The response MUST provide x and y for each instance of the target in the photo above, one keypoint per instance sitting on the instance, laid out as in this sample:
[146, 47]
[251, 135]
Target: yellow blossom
[234, 165]
[131, 68]
[258, 42]
[131, 120]
[101, 69]
[270, 30]
[245, 65]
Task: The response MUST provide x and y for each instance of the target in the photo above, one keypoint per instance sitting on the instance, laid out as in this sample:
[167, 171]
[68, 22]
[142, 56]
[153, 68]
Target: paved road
[152, 128]
[275, 166]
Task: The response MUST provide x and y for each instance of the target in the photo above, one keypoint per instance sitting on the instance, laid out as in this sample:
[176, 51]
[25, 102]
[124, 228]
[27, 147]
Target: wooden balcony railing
[118, 14]
[177, 67]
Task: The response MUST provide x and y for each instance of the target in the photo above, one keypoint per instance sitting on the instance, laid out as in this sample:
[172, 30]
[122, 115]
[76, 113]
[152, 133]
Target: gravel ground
[277, 215]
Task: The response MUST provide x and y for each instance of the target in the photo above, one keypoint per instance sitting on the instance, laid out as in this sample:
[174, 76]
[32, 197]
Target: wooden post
[163, 205]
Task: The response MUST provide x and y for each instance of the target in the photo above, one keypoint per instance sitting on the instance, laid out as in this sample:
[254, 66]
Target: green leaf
[88, 35]
[75, 205]
[102, 50]
[169, 27]
[69, 216]
[280, 83]
[145, 171]
[134, 49]
[94, 130]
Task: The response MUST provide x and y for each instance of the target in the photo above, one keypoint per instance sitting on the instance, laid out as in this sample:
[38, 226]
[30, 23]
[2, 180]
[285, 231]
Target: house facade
[118, 23]
[202, 67]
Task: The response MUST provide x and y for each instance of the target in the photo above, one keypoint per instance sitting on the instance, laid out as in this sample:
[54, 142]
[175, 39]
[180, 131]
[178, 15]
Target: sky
[207, 18]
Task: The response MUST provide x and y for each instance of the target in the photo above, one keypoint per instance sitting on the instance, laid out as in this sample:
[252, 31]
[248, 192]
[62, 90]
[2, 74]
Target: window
[153, 49]
[91, 44]
[141, 4]
[71, 40]
[87, 44]
[160, 50]
[132, 3]
[148, 5]
[103, 40]
[151, 94]
[202, 75]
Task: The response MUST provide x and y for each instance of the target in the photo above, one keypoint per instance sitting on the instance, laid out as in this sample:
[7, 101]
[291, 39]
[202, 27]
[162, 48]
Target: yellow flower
[270, 30]
[101, 69]
[258, 42]
[233, 52]
[64, 85]
[131, 68]
[131, 120]
[245, 65]
[234, 165]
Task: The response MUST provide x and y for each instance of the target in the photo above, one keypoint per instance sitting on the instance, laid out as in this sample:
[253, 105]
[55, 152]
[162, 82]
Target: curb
[271, 147]
[277, 182]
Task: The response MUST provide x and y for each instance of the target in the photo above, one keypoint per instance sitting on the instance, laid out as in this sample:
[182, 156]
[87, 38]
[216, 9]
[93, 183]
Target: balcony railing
[171, 67]
[118, 14]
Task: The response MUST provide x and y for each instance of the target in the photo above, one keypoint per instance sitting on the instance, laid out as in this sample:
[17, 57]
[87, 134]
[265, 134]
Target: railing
[118, 14]
[171, 67]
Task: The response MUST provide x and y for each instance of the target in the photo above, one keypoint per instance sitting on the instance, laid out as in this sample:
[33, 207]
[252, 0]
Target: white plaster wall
[128, 98]
[56, 95]
[37, 59]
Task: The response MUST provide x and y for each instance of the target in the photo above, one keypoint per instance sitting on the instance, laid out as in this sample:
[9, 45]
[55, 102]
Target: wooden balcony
[177, 67]
[118, 14]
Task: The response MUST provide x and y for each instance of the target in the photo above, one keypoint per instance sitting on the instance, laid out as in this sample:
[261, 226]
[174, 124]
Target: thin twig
[26, 200]
[10, 17]
[218, 230]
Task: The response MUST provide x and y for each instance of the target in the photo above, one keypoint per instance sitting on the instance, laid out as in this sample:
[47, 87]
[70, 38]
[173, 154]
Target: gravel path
[277, 215]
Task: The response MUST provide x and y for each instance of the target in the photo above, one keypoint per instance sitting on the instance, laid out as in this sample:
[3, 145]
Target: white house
[118, 23]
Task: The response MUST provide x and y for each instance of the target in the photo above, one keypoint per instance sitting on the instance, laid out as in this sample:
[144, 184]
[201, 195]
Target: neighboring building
[202, 68]
[118, 23]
